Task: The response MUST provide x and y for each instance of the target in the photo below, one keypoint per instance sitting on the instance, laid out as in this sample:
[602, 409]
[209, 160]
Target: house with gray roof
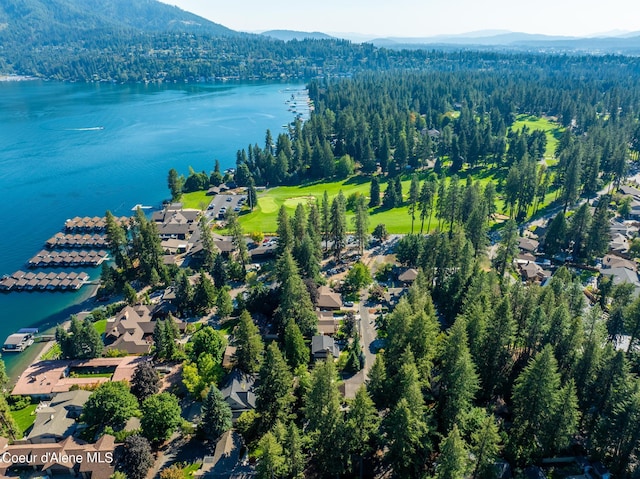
[239, 393]
[58, 418]
[324, 347]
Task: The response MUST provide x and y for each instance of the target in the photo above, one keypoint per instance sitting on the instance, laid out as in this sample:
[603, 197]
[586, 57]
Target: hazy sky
[414, 18]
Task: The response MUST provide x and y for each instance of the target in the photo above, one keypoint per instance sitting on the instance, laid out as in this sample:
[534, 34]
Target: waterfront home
[44, 379]
[131, 330]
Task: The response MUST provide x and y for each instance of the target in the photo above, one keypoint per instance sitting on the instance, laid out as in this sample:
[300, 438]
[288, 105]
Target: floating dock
[46, 258]
[21, 281]
[91, 224]
[61, 240]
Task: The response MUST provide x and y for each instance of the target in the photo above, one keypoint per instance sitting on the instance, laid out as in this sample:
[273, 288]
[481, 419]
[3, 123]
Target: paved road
[368, 335]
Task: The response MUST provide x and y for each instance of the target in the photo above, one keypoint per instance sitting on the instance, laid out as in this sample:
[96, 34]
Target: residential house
[225, 461]
[408, 276]
[528, 245]
[239, 393]
[619, 245]
[58, 418]
[328, 300]
[131, 330]
[70, 457]
[323, 347]
[611, 261]
[44, 379]
[327, 324]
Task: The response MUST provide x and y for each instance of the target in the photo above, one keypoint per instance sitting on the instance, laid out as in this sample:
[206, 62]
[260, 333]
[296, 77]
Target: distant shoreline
[8, 78]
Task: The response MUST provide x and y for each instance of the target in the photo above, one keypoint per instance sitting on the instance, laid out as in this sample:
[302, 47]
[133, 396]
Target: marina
[21, 281]
[87, 223]
[61, 240]
[46, 258]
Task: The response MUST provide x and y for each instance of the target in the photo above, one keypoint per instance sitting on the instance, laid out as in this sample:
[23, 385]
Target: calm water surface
[79, 149]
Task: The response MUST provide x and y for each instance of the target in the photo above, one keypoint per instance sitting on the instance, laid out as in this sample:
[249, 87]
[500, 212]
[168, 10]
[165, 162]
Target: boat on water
[18, 342]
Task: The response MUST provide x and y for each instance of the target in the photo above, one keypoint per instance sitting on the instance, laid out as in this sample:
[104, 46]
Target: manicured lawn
[53, 353]
[264, 216]
[101, 326]
[24, 418]
[552, 130]
[190, 469]
[197, 200]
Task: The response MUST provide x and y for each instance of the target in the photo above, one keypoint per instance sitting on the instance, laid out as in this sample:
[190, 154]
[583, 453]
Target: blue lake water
[71, 150]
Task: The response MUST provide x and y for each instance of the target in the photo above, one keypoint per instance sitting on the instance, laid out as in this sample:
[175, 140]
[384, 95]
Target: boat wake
[90, 128]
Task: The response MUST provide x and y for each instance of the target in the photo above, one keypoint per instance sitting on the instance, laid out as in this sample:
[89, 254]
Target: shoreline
[16, 78]
[33, 353]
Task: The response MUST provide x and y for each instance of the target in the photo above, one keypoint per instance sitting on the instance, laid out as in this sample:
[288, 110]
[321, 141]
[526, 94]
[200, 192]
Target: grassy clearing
[197, 200]
[24, 418]
[552, 130]
[52, 353]
[101, 326]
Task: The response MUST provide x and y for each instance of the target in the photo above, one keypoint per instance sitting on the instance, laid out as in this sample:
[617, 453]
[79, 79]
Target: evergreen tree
[390, 199]
[485, 446]
[374, 192]
[453, 462]
[406, 439]
[224, 303]
[175, 183]
[295, 349]
[496, 354]
[555, 240]
[425, 203]
[414, 194]
[209, 250]
[285, 235]
[361, 425]
[249, 346]
[273, 394]
[508, 247]
[294, 299]
[295, 457]
[458, 379]
[219, 272]
[536, 398]
[204, 295]
[272, 463]
[325, 222]
[361, 224]
[325, 423]
[216, 414]
[338, 225]
[116, 234]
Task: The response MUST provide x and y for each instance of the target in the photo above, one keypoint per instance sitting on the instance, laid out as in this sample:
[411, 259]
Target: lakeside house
[131, 330]
[44, 379]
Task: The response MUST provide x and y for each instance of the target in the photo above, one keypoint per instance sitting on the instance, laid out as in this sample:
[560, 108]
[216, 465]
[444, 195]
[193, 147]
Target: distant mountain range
[287, 35]
[628, 42]
[48, 20]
